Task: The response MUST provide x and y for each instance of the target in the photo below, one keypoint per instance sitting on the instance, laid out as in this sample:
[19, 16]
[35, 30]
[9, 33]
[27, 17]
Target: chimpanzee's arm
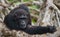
[40, 30]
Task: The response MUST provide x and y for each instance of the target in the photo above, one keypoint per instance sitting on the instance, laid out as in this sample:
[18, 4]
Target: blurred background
[43, 13]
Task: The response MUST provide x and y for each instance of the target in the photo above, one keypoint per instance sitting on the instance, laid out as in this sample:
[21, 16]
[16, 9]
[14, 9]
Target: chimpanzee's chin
[23, 26]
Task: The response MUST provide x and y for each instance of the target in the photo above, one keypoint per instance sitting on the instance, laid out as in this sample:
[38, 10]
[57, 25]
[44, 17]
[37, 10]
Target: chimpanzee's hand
[51, 29]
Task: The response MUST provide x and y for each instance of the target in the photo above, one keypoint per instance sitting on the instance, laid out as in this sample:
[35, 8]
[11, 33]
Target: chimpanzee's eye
[23, 17]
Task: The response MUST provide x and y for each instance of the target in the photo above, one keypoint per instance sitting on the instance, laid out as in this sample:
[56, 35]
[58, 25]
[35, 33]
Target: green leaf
[26, 0]
[34, 20]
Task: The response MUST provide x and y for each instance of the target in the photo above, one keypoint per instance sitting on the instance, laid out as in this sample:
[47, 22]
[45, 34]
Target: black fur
[14, 21]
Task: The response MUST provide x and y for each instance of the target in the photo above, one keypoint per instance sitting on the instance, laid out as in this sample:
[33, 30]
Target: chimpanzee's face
[21, 19]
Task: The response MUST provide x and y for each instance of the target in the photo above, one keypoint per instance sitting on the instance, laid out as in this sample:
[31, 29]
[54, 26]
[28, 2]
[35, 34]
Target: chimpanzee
[19, 19]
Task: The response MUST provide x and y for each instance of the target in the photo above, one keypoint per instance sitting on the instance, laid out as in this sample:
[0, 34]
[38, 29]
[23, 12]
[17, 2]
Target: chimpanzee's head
[21, 17]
